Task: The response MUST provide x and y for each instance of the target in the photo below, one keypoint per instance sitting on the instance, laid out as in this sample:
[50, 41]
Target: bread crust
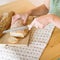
[5, 22]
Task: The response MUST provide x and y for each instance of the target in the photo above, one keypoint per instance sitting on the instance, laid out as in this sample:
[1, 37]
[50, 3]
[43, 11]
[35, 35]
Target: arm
[41, 10]
[38, 11]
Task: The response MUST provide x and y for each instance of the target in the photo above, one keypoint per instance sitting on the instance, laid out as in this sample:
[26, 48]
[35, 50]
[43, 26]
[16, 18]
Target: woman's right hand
[35, 23]
[40, 22]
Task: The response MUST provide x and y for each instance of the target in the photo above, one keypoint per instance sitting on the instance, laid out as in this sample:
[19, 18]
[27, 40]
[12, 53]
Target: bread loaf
[5, 22]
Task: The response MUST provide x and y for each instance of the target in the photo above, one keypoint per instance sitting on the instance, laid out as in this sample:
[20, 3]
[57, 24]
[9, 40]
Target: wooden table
[52, 51]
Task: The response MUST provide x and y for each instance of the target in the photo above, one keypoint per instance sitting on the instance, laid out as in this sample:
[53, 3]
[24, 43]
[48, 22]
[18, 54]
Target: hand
[24, 17]
[35, 23]
[40, 22]
[18, 16]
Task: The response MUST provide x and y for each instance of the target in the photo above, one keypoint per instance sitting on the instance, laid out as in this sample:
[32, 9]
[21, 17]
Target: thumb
[30, 26]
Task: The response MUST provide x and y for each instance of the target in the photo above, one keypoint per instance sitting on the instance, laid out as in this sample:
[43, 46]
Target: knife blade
[16, 28]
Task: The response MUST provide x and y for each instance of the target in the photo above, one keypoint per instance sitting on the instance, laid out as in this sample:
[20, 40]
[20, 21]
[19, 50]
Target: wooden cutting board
[52, 51]
[24, 41]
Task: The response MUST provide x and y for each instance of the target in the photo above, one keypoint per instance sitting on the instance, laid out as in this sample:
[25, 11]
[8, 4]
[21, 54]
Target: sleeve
[54, 7]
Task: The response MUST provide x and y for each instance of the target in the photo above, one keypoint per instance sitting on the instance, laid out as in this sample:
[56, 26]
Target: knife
[16, 28]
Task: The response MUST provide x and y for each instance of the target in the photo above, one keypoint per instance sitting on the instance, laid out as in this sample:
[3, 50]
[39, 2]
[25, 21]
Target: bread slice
[18, 34]
[7, 39]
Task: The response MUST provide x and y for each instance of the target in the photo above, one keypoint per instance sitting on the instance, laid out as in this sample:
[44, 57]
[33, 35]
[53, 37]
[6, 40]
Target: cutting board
[24, 41]
[52, 51]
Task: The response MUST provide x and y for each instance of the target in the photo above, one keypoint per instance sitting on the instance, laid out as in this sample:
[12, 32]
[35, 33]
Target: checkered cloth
[38, 41]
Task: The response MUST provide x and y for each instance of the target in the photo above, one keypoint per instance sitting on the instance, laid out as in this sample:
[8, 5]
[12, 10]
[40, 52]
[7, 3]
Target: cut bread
[19, 33]
[12, 40]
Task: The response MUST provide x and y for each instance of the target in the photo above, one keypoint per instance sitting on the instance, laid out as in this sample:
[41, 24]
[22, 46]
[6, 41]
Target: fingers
[24, 18]
[15, 18]
[36, 24]
[39, 25]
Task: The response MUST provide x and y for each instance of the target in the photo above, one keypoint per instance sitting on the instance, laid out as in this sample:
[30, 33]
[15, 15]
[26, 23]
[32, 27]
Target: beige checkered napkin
[38, 41]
